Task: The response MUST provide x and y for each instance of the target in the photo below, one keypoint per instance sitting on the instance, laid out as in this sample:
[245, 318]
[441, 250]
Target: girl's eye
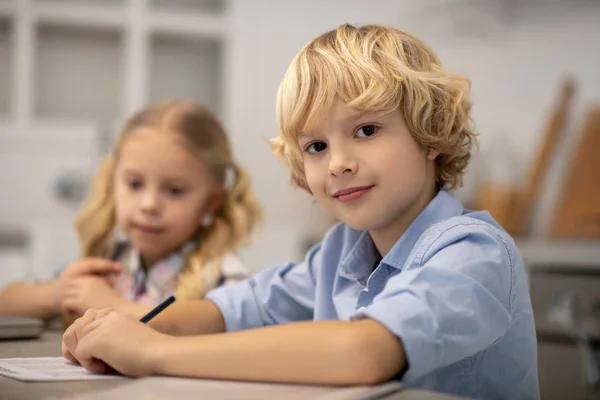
[134, 184]
[316, 147]
[366, 131]
[176, 191]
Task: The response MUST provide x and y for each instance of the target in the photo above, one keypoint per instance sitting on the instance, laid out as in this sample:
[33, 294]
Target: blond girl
[168, 209]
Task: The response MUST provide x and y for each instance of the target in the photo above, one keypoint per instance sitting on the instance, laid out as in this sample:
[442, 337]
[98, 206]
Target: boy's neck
[385, 238]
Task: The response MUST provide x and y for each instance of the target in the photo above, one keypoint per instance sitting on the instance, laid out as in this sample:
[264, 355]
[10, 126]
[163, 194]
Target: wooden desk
[167, 387]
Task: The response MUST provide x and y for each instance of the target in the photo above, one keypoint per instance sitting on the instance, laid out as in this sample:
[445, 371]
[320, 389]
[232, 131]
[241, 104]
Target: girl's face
[162, 192]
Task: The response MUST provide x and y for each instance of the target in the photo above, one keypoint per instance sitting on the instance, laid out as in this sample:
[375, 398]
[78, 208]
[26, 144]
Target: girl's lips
[148, 229]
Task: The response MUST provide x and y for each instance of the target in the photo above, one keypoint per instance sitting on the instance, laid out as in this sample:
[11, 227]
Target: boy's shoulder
[467, 223]
[342, 237]
[444, 226]
[477, 228]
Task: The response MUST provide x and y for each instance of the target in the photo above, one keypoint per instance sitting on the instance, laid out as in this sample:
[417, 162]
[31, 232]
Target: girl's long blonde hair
[232, 223]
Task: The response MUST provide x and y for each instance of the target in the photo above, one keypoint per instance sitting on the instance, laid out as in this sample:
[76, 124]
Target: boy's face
[367, 170]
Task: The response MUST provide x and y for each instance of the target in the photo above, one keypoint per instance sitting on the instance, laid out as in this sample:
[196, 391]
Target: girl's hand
[104, 339]
[84, 292]
[91, 266]
[94, 266]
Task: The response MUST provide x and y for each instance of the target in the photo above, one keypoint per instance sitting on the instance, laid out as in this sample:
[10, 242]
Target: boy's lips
[351, 193]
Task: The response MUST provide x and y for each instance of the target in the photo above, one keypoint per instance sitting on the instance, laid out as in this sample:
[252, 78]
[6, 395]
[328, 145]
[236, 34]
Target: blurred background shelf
[564, 254]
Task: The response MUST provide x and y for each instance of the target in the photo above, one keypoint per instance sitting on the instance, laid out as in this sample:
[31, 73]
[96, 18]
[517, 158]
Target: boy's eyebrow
[356, 115]
[306, 134]
[353, 117]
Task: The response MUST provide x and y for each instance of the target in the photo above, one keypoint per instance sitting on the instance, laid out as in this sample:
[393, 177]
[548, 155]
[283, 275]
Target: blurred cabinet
[99, 60]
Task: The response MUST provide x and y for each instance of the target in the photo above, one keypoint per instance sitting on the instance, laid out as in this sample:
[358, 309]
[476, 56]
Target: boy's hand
[84, 292]
[75, 332]
[101, 340]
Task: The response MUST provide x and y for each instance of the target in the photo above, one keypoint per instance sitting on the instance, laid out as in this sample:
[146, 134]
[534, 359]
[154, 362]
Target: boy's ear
[432, 154]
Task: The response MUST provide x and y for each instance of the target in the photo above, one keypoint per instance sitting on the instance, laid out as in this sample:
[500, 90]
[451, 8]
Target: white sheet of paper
[48, 369]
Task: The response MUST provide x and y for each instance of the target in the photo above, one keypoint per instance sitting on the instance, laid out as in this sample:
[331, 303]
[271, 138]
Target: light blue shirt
[453, 289]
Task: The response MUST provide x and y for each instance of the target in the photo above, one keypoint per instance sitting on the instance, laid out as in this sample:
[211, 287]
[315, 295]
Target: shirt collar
[443, 206]
[360, 260]
[168, 267]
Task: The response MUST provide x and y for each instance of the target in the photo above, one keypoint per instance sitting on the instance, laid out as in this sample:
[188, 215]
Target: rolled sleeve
[237, 306]
[280, 294]
[452, 304]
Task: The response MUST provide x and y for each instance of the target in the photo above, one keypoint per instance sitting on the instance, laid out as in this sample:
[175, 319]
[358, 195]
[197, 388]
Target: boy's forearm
[326, 352]
[38, 300]
[194, 317]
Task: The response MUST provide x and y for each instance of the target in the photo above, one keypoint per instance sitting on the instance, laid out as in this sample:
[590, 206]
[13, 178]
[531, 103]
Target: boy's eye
[367, 130]
[316, 147]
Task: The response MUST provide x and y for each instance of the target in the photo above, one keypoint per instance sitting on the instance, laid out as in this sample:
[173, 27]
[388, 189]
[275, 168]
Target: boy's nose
[341, 163]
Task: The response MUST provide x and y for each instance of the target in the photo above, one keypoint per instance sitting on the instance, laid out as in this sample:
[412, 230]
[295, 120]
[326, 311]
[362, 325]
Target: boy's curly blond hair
[380, 69]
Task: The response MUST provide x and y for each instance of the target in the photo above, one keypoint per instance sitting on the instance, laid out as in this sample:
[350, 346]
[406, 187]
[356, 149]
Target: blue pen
[166, 303]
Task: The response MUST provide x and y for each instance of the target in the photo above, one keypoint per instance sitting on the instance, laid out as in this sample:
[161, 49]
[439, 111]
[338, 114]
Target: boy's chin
[359, 224]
